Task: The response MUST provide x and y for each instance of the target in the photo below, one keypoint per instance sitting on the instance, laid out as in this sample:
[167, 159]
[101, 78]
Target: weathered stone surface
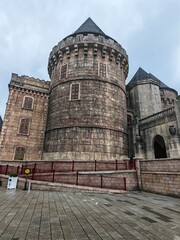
[156, 112]
[95, 125]
[86, 105]
[10, 137]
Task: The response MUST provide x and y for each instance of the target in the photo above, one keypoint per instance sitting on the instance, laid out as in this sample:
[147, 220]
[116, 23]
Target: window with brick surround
[64, 71]
[102, 70]
[24, 126]
[75, 91]
[28, 103]
[19, 153]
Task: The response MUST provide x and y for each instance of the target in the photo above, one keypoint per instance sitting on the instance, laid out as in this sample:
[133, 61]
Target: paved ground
[83, 216]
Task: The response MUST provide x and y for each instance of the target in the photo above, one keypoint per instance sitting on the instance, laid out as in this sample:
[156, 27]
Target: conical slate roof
[140, 75]
[143, 75]
[89, 27]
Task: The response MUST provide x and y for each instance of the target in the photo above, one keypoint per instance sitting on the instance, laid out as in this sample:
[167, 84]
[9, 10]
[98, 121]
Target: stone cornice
[157, 118]
[87, 79]
[88, 126]
[141, 82]
[41, 92]
[29, 84]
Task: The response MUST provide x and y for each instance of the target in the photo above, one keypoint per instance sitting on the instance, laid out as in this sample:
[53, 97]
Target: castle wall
[161, 176]
[161, 124]
[94, 125]
[168, 97]
[11, 138]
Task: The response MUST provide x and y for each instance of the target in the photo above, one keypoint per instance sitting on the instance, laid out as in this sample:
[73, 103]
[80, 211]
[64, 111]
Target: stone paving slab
[87, 216]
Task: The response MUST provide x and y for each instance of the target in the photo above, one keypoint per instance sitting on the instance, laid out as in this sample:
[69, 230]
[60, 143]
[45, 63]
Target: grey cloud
[148, 30]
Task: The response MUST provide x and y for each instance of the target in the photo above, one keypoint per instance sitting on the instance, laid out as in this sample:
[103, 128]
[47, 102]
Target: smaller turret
[148, 95]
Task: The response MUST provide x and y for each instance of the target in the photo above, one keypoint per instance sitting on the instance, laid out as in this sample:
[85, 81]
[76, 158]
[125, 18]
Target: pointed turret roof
[142, 75]
[89, 26]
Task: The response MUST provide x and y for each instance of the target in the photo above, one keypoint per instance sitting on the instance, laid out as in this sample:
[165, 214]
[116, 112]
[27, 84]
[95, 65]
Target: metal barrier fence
[68, 172]
[68, 166]
[85, 179]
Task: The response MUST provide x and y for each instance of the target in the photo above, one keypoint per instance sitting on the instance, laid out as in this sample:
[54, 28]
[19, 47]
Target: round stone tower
[87, 117]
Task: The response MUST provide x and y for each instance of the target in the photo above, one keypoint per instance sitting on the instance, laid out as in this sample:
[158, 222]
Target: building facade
[22, 133]
[154, 111]
[87, 112]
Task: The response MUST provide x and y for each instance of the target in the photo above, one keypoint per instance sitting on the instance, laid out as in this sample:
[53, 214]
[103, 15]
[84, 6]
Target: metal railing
[74, 172]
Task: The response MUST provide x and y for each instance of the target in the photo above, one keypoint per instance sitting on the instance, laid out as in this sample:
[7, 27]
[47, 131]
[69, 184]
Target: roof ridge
[141, 74]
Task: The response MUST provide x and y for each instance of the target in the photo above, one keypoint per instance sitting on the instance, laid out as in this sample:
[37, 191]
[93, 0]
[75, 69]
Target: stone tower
[143, 94]
[87, 116]
[147, 95]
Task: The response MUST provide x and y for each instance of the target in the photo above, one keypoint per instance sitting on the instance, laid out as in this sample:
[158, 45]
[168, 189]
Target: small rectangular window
[28, 103]
[102, 70]
[19, 153]
[64, 71]
[75, 91]
[24, 126]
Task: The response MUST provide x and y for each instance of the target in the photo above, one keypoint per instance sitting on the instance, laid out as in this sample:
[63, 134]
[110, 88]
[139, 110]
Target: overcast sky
[149, 30]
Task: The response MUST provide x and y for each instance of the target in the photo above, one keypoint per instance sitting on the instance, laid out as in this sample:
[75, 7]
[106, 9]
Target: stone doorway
[159, 147]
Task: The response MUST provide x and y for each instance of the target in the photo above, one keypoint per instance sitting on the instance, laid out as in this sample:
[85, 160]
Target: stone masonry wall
[163, 183]
[171, 141]
[168, 97]
[94, 126]
[160, 165]
[10, 138]
[161, 176]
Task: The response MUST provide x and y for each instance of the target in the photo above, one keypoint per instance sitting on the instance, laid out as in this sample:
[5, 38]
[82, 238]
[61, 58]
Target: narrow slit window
[75, 91]
[129, 119]
[102, 70]
[19, 153]
[24, 126]
[64, 71]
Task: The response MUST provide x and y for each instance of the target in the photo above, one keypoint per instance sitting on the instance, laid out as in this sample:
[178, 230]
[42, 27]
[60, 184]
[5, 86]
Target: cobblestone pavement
[82, 216]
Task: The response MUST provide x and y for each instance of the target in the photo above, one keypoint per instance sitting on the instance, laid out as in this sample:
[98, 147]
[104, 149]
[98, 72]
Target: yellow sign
[27, 171]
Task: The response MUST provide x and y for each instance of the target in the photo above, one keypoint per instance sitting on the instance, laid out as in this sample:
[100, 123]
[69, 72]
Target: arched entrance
[159, 147]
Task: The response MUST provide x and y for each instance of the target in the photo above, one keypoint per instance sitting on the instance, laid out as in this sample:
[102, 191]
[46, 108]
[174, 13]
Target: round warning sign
[27, 171]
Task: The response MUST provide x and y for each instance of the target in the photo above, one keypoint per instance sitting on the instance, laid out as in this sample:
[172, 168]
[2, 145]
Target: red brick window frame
[19, 153]
[24, 126]
[102, 70]
[75, 91]
[64, 71]
[28, 103]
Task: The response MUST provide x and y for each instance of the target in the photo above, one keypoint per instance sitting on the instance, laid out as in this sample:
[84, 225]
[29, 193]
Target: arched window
[19, 153]
[24, 126]
[28, 103]
[159, 147]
